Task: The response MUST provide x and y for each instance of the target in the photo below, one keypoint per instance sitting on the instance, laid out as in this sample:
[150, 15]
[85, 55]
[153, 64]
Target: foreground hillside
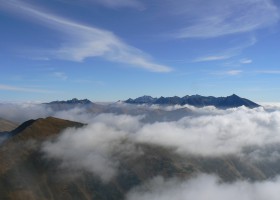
[6, 125]
[27, 173]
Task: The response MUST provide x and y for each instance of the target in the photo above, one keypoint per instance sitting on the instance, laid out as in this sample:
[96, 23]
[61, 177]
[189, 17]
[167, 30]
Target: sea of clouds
[253, 134]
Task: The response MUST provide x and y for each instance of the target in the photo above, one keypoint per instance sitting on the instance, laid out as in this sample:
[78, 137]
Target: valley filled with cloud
[113, 134]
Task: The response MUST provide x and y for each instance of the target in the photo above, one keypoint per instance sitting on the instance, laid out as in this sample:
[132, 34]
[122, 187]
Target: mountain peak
[72, 101]
[234, 95]
[141, 100]
[41, 128]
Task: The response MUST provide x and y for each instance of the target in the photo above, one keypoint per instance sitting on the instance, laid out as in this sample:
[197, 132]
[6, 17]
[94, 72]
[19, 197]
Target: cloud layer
[109, 138]
[91, 148]
[252, 134]
[205, 187]
[220, 134]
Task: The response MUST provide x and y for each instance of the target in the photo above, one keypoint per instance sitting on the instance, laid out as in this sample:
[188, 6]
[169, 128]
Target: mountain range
[68, 104]
[196, 100]
[231, 101]
[72, 101]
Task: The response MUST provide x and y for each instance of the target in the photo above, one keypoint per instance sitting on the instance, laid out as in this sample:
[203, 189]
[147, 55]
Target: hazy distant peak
[72, 101]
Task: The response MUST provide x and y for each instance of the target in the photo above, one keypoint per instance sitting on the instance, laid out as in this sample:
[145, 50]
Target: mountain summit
[72, 102]
[197, 101]
[69, 104]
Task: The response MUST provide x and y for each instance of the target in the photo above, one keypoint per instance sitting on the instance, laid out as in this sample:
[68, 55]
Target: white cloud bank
[98, 147]
[91, 148]
[220, 134]
[21, 112]
[253, 134]
[85, 41]
[210, 132]
[205, 187]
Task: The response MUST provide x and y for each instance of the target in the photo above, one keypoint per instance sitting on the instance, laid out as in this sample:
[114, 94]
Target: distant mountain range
[72, 101]
[193, 100]
[68, 104]
[197, 101]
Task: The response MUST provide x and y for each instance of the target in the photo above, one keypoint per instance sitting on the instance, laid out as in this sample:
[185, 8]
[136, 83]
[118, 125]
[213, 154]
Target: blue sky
[106, 50]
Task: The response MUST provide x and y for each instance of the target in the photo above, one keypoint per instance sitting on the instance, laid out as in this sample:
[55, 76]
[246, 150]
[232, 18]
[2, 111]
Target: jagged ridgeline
[197, 101]
[193, 100]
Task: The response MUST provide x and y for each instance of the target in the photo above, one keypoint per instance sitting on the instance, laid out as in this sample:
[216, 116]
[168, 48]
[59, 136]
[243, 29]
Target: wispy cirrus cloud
[23, 89]
[233, 72]
[229, 53]
[238, 63]
[212, 58]
[209, 19]
[268, 71]
[246, 61]
[60, 75]
[86, 41]
[119, 3]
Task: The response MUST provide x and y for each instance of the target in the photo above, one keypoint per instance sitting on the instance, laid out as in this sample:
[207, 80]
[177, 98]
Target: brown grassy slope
[44, 128]
[19, 146]
[20, 158]
[6, 125]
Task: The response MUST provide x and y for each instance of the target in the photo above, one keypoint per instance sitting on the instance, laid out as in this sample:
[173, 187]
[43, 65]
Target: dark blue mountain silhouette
[197, 101]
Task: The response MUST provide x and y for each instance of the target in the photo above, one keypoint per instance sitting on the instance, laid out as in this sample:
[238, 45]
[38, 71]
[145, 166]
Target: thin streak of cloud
[40, 58]
[212, 58]
[268, 71]
[87, 41]
[228, 73]
[229, 53]
[60, 75]
[233, 72]
[119, 3]
[216, 19]
[23, 89]
[246, 61]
